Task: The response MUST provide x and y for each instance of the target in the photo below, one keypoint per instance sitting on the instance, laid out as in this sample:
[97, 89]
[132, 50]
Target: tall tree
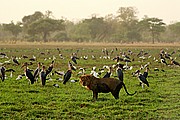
[44, 27]
[27, 20]
[154, 25]
[97, 26]
[127, 22]
[175, 29]
[15, 29]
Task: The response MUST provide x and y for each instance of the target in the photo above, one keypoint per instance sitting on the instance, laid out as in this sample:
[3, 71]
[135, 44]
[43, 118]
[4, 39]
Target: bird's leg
[142, 85]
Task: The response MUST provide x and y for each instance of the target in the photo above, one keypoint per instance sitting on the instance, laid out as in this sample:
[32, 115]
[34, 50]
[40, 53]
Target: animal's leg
[95, 95]
[115, 93]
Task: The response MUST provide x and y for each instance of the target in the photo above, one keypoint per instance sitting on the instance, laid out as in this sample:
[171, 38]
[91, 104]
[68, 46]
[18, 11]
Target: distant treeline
[124, 27]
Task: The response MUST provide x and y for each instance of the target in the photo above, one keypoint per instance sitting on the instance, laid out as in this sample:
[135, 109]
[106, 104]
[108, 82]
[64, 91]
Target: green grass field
[20, 100]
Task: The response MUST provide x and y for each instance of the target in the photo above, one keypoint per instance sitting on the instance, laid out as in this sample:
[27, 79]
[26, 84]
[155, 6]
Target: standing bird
[28, 73]
[43, 75]
[74, 59]
[37, 71]
[108, 73]
[145, 74]
[142, 78]
[50, 68]
[68, 74]
[2, 73]
[119, 71]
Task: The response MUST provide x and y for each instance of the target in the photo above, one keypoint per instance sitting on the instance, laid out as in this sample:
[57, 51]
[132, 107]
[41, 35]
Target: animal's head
[85, 80]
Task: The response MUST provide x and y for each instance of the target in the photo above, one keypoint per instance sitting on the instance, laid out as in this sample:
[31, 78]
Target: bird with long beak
[2, 73]
[15, 61]
[37, 71]
[68, 74]
[43, 75]
[108, 73]
[50, 68]
[142, 78]
[74, 58]
[119, 71]
[28, 73]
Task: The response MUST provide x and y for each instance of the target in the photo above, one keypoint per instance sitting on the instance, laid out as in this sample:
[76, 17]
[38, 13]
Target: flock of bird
[120, 59]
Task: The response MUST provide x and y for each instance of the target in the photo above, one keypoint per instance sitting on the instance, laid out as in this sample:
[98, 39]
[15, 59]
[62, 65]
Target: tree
[27, 20]
[154, 25]
[98, 28]
[175, 29]
[44, 27]
[127, 23]
[15, 29]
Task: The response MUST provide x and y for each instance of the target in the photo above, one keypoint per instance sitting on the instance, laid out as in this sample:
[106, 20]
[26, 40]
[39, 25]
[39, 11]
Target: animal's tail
[127, 91]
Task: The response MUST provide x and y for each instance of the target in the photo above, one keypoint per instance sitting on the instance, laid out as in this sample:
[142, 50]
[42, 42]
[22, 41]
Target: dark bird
[37, 71]
[146, 72]
[28, 73]
[74, 59]
[10, 70]
[3, 54]
[15, 60]
[142, 79]
[119, 71]
[58, 50]
[68, 74]
[50, 68]
[24, 56]
[43, 75]
[175, 62]
[59, 73]
[108, 73]
[2, 73]
[163, 60]
[117, 59]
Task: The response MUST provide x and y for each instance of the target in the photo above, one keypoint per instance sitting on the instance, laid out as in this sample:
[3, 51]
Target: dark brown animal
[103, 85]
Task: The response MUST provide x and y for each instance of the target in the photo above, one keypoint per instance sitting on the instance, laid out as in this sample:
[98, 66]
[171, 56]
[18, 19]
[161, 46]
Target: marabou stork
[28, 73]
[108, 73]
[2, 73]
[145, 74]
[37, 71]
[74, 59]
[142, 78]
[119, 71]
[43, 75]
[15, 60]
[68, 74]
[50, 68]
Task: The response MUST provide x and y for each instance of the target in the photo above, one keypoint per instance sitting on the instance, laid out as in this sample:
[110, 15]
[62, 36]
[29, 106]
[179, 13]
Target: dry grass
[83, 44]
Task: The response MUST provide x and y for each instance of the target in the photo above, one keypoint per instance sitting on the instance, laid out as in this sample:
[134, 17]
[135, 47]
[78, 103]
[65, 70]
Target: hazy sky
[168, 10]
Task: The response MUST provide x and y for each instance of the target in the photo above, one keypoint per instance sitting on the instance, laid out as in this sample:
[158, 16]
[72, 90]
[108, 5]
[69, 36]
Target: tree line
[122, 27]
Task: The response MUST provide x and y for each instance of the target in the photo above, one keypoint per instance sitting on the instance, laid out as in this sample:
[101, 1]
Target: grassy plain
[19, 100]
